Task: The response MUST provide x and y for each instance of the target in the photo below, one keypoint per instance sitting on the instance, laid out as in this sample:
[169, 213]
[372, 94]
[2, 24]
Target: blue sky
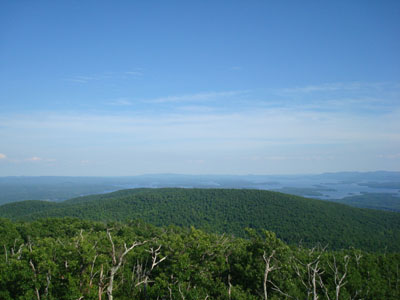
[199, 87]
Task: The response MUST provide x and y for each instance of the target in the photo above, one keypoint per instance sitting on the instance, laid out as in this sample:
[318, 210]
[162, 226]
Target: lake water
[329, 190]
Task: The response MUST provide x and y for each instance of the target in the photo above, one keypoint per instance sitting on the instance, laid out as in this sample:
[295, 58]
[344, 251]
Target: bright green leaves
[71, 259]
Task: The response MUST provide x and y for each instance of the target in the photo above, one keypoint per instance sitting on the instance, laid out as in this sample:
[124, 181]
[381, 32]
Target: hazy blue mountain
[327, 186]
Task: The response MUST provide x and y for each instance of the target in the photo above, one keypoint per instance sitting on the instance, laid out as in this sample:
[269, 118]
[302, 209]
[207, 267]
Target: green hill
[294, 219]
[23, 209]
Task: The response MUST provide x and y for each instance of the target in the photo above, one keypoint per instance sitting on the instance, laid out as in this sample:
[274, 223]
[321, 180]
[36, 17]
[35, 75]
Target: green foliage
[25, 208]
[74, 259]
[294, 219]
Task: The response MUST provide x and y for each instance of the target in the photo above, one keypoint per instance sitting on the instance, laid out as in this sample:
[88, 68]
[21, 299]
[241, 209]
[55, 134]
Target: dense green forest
[294, 219]
[77, 259]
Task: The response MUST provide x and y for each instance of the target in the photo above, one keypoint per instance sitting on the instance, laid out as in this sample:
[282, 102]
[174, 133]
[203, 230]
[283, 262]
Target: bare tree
[268, 268]
[339, 277]
[229, 274]
[117, 261]
[313, 273]
[101, 282]
[92, 273]
[35, 277]
[180, 292]
[144, 275]
[357, 256]
[6, 253]
[48, 281]
[13, 251]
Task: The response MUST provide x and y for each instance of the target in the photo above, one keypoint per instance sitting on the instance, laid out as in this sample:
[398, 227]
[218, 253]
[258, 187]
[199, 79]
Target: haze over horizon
[101, 88]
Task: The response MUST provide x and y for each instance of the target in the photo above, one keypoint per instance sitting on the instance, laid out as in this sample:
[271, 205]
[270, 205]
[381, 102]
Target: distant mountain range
[378, 190]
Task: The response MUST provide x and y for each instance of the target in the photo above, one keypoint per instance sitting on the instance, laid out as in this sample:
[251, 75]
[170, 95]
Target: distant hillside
[23, 209]
[324, 186]
[382, 201]
[294, 219]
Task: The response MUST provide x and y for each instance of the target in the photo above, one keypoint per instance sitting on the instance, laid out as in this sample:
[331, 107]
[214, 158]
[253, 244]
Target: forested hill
[294, 219]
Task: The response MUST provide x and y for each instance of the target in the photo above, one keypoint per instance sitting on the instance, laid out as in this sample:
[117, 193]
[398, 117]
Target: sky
[119, 88]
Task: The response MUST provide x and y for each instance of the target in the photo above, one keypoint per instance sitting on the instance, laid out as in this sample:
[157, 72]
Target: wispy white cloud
[390, 156]
[86, 79]
[194, 129]
[284, 140]
[322, 87]
[134, 73]
[338, 86]
[292, 157]
[2, 156]
[256, 126]
[196, 108]
[120, 102]
[195, 97]
[34, 158]
[105, 76]
[196, 161]
[357, 97]
[188, 98]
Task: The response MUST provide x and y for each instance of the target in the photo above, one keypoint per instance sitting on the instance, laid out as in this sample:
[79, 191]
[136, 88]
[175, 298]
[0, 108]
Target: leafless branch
[6, 253]
[268, 268]
[117, 262]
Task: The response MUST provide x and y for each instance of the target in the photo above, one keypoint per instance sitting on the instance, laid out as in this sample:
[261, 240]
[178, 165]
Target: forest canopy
[77, 259]
[294, 219]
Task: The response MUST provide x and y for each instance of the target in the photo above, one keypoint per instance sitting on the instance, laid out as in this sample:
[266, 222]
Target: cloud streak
[105, 76]
[85, 79]
[219, 132]
[134, 73]
[249, 141]
[253, 126]
[195, 97]
[339, 86]
[34, 158]
[120, 102]
[355, 97]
